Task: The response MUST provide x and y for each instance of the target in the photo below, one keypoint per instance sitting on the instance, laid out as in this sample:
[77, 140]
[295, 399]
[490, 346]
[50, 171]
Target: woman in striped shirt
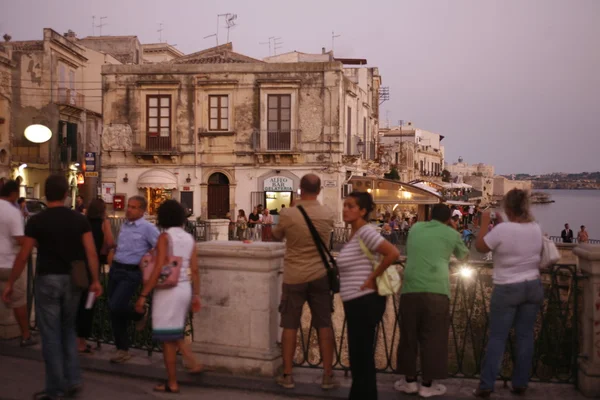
[363, 306]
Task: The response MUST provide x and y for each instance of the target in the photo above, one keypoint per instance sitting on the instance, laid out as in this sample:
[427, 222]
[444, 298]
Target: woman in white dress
[170, 306]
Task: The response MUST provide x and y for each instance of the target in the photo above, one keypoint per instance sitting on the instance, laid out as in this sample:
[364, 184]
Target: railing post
[237, 328]
[589, 364]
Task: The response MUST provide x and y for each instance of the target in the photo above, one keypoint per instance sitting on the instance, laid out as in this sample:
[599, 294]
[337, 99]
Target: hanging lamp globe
[38, 133]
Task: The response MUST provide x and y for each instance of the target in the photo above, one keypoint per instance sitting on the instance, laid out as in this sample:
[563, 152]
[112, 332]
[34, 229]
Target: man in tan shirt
[305, 279]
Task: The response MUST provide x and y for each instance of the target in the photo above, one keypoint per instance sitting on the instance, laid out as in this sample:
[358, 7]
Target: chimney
[70, 35]
[7, 37]
[323, 50]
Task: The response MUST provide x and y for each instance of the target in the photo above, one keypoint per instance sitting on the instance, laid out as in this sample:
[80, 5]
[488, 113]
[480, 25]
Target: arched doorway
[218, 195]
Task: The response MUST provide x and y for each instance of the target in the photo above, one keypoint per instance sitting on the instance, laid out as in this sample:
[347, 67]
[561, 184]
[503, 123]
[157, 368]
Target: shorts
[19, 296]
[319, 299]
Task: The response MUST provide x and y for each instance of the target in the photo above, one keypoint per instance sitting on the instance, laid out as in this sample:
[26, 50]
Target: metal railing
[556, 330]
[267, 140]
[71, 97]
[558, 239]
[198, 229]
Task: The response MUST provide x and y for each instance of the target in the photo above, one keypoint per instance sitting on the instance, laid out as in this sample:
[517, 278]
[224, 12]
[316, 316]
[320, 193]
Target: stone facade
[234, 124]
[126, 49]
[56, 83]
[461, 168]
[6, 67]
[160, 52]
[417, 153]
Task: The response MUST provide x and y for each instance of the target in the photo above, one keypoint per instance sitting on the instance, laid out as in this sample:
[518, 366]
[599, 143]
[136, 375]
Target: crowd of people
[255, 227]
[70, 241]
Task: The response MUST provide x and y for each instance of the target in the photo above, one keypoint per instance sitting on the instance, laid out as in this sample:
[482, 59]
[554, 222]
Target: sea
[575, 207]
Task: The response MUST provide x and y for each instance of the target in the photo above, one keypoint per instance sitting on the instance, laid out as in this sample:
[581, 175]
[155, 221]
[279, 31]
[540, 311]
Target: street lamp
[37, 133]
[360, 146]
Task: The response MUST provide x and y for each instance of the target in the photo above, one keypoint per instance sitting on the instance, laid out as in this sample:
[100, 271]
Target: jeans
[515, 304]
[123, 284]
[362, 315]
[56, 302]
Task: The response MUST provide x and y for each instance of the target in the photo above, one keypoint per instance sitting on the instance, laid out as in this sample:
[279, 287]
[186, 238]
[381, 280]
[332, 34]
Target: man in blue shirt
[136, 238]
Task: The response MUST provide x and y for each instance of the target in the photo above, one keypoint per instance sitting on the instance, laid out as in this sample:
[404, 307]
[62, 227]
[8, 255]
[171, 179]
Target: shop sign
[278, 184]
[91, 174]
[329, 183]
[90, 161]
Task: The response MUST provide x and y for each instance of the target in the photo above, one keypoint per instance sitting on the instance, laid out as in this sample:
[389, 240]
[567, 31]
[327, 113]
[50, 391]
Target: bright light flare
[466, 272]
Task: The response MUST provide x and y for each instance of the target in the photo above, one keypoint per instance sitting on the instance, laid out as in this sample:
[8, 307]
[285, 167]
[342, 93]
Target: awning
[459, 203]
[391, 192]
[424, 186]
[453, 185]
[157, 179]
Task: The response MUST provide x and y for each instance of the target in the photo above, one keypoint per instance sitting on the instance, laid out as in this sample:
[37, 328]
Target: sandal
[165, 388]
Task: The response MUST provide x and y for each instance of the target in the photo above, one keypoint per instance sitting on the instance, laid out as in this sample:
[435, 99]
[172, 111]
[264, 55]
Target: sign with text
[278, 184]
[329, 183]
[90, 161]
[91, 174]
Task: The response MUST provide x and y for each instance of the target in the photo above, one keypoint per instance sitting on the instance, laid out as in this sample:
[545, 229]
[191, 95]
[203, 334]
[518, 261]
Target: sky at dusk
[512, 83]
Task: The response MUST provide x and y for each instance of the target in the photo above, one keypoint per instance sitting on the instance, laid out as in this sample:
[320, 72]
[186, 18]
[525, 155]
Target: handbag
[333, 273]
[79, 275]
[550, 254]
[389, 282]
[169, 274]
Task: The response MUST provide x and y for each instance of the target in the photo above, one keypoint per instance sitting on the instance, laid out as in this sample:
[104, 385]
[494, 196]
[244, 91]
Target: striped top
[355, 267]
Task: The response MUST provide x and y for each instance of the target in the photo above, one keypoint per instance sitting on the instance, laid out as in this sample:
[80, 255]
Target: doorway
[275, 200]
[218, 196]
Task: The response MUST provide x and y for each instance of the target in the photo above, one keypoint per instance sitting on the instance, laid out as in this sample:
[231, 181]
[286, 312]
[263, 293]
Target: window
[219, 113]
[279, 122]
[159, 116]
[280, 113]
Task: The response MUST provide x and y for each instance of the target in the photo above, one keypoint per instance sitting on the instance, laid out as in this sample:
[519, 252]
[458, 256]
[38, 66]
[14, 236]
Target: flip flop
[165, 388]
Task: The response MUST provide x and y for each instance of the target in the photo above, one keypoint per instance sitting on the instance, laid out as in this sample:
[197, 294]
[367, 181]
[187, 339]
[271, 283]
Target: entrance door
[218, 196]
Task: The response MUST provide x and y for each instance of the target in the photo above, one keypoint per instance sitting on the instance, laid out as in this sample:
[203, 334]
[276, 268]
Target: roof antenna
[213, 35]
[101, 24]
[277, 44]
[333, 36]
[160, 31]
[229, 21]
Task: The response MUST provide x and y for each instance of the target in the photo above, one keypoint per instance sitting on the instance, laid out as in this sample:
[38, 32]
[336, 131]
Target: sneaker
[406, 387]
[434, 390]
[329, 382]
[286, 381]
[30, 341]
[121, 357]
[141, 324]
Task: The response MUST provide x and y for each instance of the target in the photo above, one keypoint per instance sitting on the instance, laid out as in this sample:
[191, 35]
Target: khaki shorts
[19, 296]
[319, 300]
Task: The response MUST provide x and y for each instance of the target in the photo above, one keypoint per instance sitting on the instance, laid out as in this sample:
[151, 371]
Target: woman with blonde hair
[518, 293]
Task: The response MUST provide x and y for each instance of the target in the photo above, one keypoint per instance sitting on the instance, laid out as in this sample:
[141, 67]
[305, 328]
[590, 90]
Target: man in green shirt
[425, 302]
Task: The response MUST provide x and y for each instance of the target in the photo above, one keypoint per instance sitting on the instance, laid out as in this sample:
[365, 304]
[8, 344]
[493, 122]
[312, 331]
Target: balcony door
[279, 120]
[158, 122]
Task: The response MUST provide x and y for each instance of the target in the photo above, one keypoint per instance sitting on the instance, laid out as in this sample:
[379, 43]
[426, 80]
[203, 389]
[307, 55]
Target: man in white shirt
[11, 238]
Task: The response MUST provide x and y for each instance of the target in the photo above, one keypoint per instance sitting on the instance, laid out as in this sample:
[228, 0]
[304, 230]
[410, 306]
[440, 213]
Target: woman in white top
[170, 306]
[363, 306]
[518, 293]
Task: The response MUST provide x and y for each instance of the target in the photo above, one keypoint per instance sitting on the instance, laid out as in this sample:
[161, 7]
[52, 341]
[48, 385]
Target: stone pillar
[237, 327]
[218, 229]
[589, 364]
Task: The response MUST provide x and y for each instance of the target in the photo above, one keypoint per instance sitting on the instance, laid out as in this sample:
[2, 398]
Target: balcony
[155, 145]
[264, 141]
[70, 97]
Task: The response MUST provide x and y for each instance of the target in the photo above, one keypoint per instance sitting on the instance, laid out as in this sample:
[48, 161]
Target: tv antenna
[160, 31]
[384, 94]
[277, 44]
[213, 35]
[333, 36]
[267, 43]
[229, 21]
[101, 24]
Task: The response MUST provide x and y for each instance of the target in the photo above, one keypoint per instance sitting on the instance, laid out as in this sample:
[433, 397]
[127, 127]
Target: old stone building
[222, 131]
[416, 153]
[56, 83]
[160, 52]
[6, 67]
[126, 49]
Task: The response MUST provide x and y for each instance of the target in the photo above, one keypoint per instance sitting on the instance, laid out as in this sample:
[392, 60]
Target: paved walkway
[22, 374]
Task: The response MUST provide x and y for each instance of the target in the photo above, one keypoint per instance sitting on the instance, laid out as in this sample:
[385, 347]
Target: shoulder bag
[169, 274]
[389, 282]
[550, 254]
[333, 273]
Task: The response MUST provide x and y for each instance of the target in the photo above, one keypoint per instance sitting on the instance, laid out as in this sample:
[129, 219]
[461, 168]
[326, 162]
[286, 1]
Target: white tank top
[182, 244]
